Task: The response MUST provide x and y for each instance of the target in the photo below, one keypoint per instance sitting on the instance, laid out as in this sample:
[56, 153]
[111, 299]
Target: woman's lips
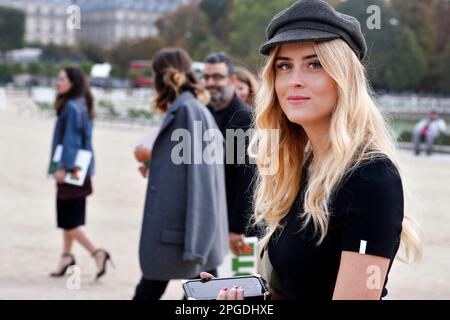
[297, 99]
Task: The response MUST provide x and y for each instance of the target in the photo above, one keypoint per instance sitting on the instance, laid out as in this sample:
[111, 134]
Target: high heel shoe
[102, 270]
[63, 271]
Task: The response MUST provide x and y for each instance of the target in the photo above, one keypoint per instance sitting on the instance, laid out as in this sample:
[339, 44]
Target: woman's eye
[314, 65]
[283, 66]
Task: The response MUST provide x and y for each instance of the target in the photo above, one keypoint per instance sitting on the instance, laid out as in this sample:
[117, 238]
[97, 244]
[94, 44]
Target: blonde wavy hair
[358, 132]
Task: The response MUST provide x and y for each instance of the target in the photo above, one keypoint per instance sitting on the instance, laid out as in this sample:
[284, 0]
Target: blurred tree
[186, 27]
[126, 51]
[59, 53]
[394, 61]
[92, 52]
[86, 67]
[115, 72]
[133, 75]
[17, 69]
[12, 28]
[407, 63]
[218, 13]
[418, 15]
[50, 70]
[5, 73]
[249, 20]
[35, 68]
[189, 28]
[438, 77]
[147, 73]
[121, 55]
[147, 47]
[442, 21]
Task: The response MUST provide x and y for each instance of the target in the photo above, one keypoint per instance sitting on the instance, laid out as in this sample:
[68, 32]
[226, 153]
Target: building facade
[103, 22]
[45, 21]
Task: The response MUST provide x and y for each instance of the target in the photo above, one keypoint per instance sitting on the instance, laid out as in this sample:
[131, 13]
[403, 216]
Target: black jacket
[239, 176]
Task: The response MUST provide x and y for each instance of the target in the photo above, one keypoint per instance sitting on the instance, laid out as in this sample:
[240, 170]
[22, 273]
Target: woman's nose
[296, 79]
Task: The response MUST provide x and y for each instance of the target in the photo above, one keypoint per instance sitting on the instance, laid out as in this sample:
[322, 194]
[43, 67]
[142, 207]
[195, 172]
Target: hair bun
[174, 78]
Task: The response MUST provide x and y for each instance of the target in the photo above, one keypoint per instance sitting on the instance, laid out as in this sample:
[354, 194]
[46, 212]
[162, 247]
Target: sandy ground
[30, 244]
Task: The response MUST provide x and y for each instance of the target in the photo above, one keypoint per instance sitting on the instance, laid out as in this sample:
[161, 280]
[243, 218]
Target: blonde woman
[334, 209]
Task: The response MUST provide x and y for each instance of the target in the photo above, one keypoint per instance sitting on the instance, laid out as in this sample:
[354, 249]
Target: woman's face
[242, 90]
[306, 93]
[63, 84]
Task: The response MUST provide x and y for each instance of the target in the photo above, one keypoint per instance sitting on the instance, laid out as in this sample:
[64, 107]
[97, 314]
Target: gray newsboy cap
[313, 20]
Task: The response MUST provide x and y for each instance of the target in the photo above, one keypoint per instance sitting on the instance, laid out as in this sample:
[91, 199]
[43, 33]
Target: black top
[366, 207]
[239, 173]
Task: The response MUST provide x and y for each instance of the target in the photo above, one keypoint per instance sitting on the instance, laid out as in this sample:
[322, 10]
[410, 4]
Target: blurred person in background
[73, 130]
[428, 130]
[232, 114]
[246, 85]
[184, 229]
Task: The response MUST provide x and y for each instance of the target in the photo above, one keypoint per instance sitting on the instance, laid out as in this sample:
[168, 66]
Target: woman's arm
[360, 276]
[72, 132]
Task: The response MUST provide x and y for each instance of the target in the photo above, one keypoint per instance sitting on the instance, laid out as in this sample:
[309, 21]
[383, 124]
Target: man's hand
[237, 243]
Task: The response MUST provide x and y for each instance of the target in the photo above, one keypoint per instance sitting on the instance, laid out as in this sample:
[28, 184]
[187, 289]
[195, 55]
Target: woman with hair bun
[185, 226]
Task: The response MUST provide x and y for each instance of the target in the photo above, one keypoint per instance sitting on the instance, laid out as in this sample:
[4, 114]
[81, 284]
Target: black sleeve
[373, 222]
[242, 207]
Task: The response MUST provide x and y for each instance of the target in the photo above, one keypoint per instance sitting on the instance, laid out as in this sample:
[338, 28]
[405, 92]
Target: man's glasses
[214, 76]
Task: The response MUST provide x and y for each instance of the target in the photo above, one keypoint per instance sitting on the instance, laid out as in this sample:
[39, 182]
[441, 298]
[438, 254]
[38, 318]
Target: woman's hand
[144, 171]
[235, 293]
[142, 154]
[60, 175]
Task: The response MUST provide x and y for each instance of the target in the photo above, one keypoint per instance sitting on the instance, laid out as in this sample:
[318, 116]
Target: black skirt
[71, 213]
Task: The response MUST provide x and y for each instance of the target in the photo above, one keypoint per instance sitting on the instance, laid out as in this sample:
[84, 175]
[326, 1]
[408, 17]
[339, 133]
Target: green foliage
[250, 19]
[35, 68]
[126, 51]
[135, 114]
[17, 69]
[147, 73]
[107, 107]
[86, 67]
[50, 69]
[395, 61]
[438, 76]
[409, 53]
[12, 28]
[92, 52]
[406, 136]
[406, 65]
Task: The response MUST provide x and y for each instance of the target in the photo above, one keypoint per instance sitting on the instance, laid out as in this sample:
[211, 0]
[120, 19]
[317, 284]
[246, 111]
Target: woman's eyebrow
[310, 56]
[282, 58]
[289, 59]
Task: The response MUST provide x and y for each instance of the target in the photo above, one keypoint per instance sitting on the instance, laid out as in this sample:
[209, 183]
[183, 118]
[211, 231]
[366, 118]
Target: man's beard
[220, 95]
